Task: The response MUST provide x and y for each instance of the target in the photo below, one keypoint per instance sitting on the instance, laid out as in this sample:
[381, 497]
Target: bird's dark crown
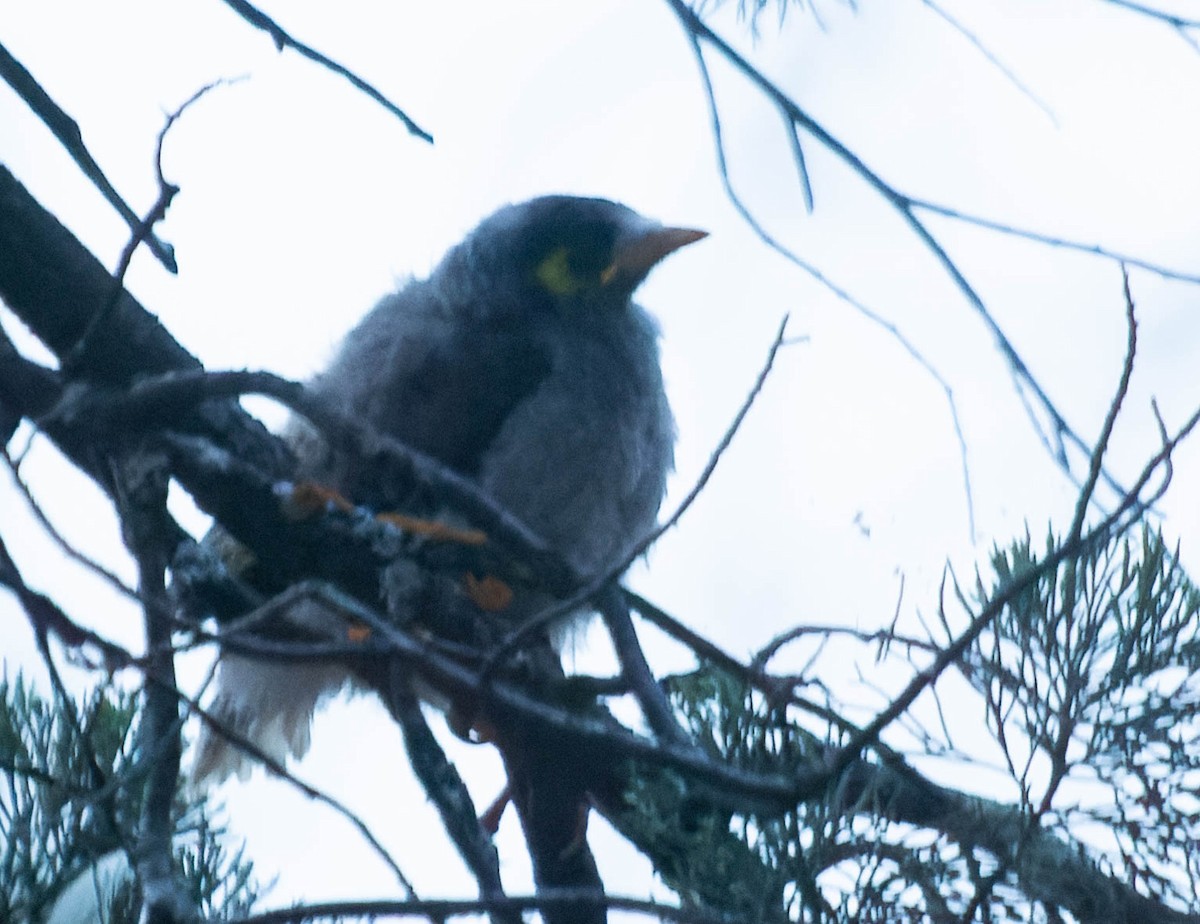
[561, 246]
[562, 253]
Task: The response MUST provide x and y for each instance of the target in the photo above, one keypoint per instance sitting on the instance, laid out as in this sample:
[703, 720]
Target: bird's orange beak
[636, 256]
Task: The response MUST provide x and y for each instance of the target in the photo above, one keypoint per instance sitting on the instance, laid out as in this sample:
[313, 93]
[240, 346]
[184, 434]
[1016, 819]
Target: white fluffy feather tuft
[271, 705]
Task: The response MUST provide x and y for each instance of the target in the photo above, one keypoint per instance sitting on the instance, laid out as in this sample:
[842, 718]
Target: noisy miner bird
[520, 363]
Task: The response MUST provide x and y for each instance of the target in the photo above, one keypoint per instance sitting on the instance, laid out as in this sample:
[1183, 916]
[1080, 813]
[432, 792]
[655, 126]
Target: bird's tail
[269, 705]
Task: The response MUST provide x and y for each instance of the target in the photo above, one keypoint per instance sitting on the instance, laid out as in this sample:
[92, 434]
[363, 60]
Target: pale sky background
[302, 202]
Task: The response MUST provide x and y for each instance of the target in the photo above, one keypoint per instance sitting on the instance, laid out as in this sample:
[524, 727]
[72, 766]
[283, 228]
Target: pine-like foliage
[71, 795]
[1087, 680]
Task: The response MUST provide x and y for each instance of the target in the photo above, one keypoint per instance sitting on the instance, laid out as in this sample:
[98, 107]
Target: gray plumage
[521, 363]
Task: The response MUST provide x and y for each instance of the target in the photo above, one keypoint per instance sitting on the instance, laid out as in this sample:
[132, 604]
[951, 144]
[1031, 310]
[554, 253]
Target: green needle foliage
[1093, 676]
[71, 795]
[1087, 680]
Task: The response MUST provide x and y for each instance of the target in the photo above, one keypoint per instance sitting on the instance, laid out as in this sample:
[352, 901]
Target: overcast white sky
[302, 202]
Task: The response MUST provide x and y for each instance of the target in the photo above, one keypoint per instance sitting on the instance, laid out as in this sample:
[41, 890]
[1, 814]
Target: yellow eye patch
[555, 274]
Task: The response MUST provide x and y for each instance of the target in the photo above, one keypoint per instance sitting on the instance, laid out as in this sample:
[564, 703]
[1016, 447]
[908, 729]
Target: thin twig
[59, 539]
[1062, 243]
[793, 137]
[66, 130]
[449, 675]
[143, 231]
[44, 776]
[579, 598]
[282, 40]
[277, 768]
[444, 909]
[838, 291]
[879, 636]
[906, 207]
[1169, 18]
[1110, 419]
[992, 59]
[699, 645]
[1113, 524]
[777, 689]
[442, 784]
[46, 616]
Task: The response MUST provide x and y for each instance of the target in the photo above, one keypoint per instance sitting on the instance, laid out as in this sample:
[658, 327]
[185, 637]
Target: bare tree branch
[1009, 74]
[141, 482]
[595, 584]
[144, 230]
[52, 531]
[567, 901]
[283, 40]
[47, 617]
[841, 293]
[55, 286]
[445, 789]
[1113, 524]
[1180, 24]
[66, 130]
[1062, 433]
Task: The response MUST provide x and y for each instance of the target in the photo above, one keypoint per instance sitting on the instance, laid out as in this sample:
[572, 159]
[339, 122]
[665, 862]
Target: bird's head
[568, 252]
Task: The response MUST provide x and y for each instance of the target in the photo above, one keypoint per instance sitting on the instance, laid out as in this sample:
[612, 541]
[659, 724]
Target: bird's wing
[455, 401]
[442, 385]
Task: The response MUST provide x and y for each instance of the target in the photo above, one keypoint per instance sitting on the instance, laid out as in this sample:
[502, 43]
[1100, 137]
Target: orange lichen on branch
[432, 529]
[307, 498]
[489, 593]
[358, 632]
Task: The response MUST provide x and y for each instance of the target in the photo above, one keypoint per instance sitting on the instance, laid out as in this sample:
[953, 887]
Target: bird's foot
[490, 819]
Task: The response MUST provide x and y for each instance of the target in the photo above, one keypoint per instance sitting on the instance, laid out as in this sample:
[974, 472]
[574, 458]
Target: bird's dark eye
[575, 257]
[569, 270]
[589, 260]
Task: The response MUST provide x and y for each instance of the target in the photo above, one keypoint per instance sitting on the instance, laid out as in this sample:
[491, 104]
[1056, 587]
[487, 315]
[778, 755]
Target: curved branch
[282, 39]
[66, 130]
[1063, 434]
[840, 293]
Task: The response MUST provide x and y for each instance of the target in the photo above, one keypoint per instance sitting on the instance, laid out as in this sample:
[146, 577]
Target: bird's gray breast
[562, 419]
[583, 459]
